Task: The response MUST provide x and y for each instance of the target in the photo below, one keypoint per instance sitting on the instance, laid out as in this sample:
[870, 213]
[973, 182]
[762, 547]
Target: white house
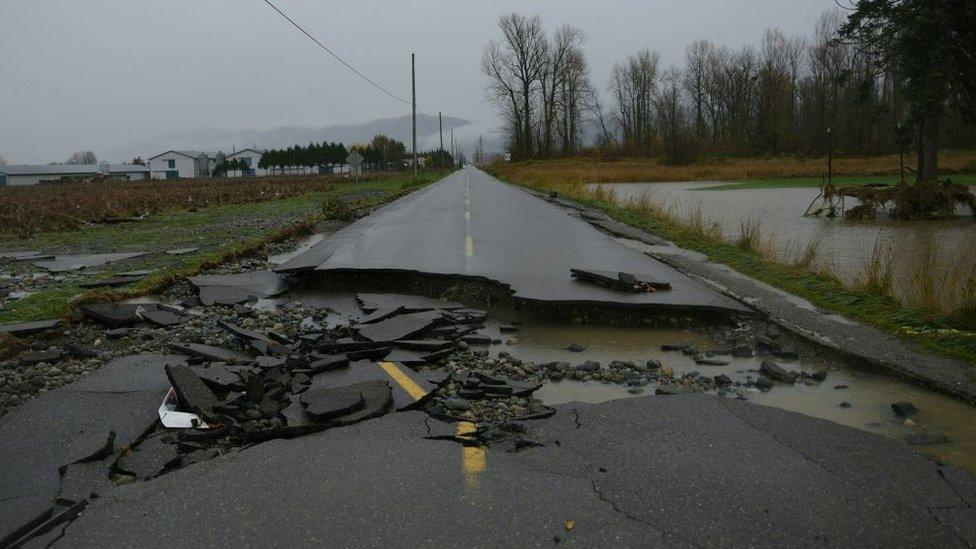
[251, 157]
[186, 164]
[32, 174]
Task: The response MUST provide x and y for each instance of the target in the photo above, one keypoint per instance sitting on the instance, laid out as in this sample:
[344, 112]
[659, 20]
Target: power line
[333, 54]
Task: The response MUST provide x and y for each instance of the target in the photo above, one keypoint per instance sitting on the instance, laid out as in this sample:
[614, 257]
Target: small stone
[904, 409]
[722, 380]
[845, 404]
[776, 372]
[575, 348]
[764, 383]
[457, 404]
[589, 366]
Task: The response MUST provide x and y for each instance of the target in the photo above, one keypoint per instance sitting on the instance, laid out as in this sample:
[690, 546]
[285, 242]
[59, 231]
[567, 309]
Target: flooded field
[845, 247]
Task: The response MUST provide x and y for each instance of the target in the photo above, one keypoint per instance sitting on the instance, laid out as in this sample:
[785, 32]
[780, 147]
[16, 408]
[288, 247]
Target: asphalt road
[653, 471]
[472, 225]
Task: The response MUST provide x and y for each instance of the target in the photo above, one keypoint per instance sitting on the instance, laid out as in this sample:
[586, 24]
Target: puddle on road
[870, 396]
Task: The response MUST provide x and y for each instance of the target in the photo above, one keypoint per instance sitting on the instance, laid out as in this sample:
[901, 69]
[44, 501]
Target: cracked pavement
[653, 471]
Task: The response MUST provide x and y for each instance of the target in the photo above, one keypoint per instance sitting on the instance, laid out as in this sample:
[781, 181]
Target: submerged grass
[950, 333]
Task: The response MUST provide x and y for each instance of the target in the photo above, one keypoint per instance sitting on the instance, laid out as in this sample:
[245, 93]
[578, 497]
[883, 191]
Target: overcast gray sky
[96, 74]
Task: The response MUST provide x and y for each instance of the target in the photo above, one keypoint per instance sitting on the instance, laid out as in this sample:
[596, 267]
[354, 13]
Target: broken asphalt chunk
[243, 333]
[620, 281]
[231, 289]
[113, 314]
[399, 327]
[409, 303]
[193, 394]
[219, 378]
[159, 316]
[211, 353]
[113, 282]
[64, 263]
[28, 328]
[322, 405]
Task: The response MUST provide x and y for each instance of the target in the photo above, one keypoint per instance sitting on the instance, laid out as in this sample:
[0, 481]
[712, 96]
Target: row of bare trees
[785, 95]
[541, 83]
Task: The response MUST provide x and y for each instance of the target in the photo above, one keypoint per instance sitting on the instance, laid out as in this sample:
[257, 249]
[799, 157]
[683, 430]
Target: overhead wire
[336, 56]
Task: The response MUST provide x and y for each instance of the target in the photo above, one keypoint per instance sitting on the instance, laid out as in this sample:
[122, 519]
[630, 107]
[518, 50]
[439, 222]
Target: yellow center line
[473, 458]
[415, 391]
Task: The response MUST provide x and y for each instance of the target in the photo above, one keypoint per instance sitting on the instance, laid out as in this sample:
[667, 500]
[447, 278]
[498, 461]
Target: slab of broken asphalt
[653, 471]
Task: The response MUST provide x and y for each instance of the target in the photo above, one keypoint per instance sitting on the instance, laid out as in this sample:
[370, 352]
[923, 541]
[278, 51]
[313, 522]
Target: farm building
[251, 157]
[186, 164]
[32, 174]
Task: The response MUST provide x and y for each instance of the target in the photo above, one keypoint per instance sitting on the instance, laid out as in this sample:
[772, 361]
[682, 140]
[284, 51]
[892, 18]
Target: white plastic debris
[171, 419]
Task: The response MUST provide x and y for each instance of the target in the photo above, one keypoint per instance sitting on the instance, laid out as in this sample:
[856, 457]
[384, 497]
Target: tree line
[297, 156]
[876, 82]
[382, 153]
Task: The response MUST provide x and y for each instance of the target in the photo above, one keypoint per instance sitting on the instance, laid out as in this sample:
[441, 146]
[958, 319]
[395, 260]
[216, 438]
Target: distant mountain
[208, 139]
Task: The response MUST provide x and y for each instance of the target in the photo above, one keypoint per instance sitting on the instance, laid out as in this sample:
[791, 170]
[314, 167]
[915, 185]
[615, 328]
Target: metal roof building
[25, 174]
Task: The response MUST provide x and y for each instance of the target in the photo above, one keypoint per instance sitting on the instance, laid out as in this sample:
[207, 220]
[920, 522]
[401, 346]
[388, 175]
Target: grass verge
[952, 334]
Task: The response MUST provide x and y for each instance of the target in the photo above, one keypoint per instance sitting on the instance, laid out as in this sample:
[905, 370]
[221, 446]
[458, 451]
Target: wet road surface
[472, 225]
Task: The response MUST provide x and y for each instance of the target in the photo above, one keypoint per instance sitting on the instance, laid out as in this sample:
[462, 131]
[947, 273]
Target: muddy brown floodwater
[870, 396]
[847, 246]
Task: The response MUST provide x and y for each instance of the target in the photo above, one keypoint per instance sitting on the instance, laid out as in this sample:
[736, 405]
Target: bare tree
[3, 161]
[633, 85]
[82, 157]
[518, 62]
[696, 81]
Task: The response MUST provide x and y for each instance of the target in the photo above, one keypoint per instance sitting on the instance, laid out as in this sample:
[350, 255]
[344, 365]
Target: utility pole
[440, 127]
[453, 148]
[413, 87]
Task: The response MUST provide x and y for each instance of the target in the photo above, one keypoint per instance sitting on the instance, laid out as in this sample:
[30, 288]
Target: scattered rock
[776, 372]
[904, 409]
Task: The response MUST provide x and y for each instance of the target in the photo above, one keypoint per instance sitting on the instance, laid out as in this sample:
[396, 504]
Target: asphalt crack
[617, 509]
[803, 455]
[958, 535]
[966, 503]
[576, 418]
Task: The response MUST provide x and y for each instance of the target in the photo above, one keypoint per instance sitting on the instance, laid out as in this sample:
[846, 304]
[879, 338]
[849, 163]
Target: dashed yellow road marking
[467, 216]
[469, 246]
[473, 458]
[415, 391]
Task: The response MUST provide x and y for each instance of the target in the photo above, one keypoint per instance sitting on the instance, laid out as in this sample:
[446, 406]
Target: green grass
[222, 233]
[949, 335]
[800, 182]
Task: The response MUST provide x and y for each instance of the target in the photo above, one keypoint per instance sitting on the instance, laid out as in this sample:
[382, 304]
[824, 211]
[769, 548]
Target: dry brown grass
[65, 206]
[804, 256]
[584, 170]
